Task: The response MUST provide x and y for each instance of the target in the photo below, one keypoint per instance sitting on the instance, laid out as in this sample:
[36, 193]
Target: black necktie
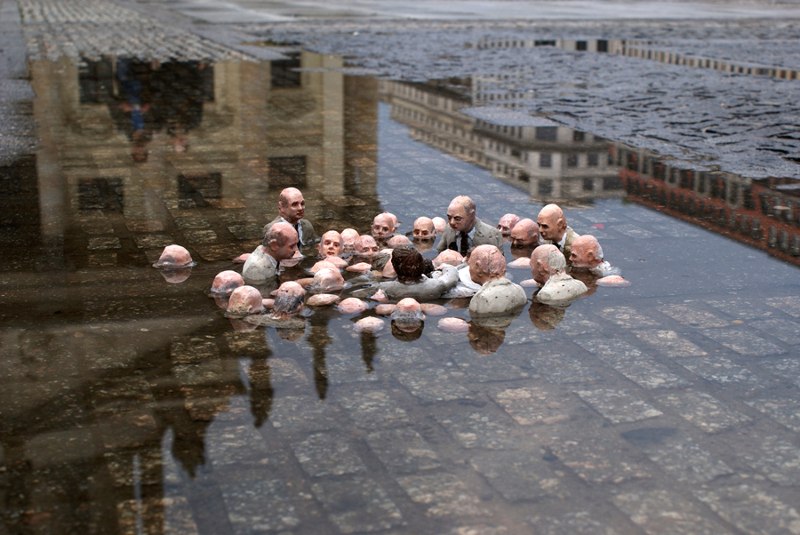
[464, 243]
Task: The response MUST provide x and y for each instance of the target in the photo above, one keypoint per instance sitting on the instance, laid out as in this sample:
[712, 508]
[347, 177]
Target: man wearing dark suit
[291, 209]
[553, 229]
[465, 230]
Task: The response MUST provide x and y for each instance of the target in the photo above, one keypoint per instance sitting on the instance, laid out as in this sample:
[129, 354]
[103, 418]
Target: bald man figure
[498, 295]
[279, 243]
[291, 209]
[553, 228]
[464, 230]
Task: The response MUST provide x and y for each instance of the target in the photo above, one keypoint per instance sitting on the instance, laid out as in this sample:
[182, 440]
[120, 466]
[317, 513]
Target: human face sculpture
[292, 205]
[459, 218]
[382, 227]
[330, 244]
[423, 229]
[507, 223]
[581, 256]
[285, 247]
[524, 234]
[366, 246]
[551, 223]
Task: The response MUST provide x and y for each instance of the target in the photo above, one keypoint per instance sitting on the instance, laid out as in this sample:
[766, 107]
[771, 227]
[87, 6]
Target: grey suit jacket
[484, 235]
[306, 228]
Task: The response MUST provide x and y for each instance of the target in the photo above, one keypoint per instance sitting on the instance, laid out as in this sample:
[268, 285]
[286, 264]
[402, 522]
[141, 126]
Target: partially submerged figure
[175, 263]
[506, 223]
[497, 295]
[411, 280]
[279, 243]
[559, 289]
[587, 256]
[244, 301]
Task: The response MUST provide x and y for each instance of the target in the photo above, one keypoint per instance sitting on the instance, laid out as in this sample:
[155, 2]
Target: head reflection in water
[485, 340]
[407, 319]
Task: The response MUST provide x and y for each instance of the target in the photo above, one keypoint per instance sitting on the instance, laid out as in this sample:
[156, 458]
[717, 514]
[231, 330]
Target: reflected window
[572, 160]
[287, 171]
[106, 194]
[194, 191]
[545, 160]
[602, 45]
[546, 133]
[578, 136]
[285, 73]
[545, 187]
[580, 45]
[524, 177]
[588, 184]
[612, 183]
[592, 159]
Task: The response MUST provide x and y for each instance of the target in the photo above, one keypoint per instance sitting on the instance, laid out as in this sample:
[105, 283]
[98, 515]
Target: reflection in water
[123, 395]
[761, 213]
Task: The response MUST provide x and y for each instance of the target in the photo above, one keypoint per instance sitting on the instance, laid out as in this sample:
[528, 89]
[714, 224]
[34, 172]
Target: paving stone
[520, 476]
[328, 454]
[192, 222]
[347, 368]
[298, 415]
[243, 449]
[776, 458]
[788, 304]
[627, 317]
[692, 315]
[785, 368]
[153, 241]
[744, 343]
[751, 509]
[247, 231]
[678, 455]
[566, 367]
[358, 505]
[618, 405]
[743, 309]
[260, 506]
[722, 371]
[669, 343]
[374, 409]
[100, 243]
[578, 522]
[479, 429]
[403, 451]
[172, 514]
[142, 468]
[600, 462]
[443, 495]
[783, 410]
[632, 363]
[536, 405]
[97, 226]
[661, 511]
[200, 236]
[780, 329]
[703, 410]
[479, 368]
[435, 384]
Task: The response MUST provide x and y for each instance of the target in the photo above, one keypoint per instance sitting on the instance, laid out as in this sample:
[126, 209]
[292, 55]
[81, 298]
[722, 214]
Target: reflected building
[110, 364]
[550, 162]
[762, 213]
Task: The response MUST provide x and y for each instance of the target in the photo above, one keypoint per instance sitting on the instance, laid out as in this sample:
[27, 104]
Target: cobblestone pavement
[685, 419]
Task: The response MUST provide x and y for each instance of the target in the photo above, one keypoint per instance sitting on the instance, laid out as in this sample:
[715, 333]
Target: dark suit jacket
[484, 235]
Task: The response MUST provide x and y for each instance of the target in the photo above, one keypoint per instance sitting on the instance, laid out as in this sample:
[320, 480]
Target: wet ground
[130, 403]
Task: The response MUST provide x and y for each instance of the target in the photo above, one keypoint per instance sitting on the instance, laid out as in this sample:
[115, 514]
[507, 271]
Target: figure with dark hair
[411, 281]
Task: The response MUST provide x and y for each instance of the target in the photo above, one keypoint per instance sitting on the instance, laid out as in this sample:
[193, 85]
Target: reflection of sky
[660, 255]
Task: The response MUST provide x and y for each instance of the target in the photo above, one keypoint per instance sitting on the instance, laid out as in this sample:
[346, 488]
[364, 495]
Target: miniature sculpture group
[388, 268]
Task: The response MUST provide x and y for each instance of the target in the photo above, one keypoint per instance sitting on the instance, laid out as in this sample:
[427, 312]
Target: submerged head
[245, 300]
[586, 252]
[552, 223]
[486, 262]
[525, 233]
[424, 229]
[291, 205]
[507, 223]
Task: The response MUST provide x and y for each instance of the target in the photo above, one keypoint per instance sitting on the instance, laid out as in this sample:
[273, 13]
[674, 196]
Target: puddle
[132, 404]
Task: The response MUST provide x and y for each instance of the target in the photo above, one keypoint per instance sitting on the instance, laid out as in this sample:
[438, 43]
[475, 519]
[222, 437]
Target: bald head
[586, 252]
[486, 262]
[540, 266]
[424, 228]
[461, 214]
[552, 223]
[280, 241]
[507, 223]
[525, 233]
[383, 225]
[291, 205]
[330, 244]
